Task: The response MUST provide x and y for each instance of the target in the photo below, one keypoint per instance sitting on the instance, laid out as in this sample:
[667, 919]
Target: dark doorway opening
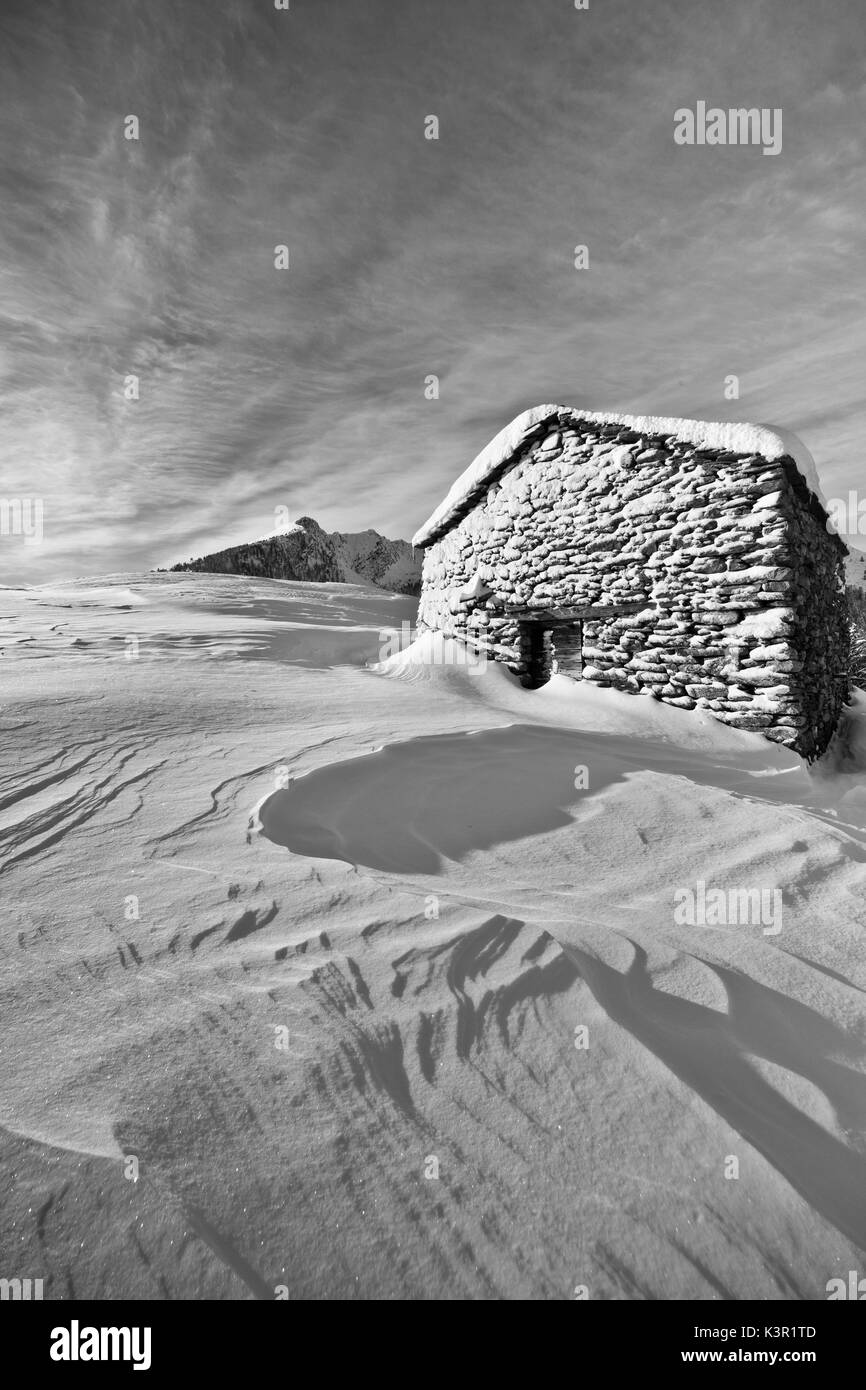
[547, 645]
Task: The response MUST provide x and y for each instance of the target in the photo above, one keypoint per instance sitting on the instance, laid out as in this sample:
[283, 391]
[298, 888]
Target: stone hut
[679, 558]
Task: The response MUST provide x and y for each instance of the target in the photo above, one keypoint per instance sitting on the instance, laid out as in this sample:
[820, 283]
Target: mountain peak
[306, 552]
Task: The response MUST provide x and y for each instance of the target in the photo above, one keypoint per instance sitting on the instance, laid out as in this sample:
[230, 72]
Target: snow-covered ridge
[766, 440]
[305, 552]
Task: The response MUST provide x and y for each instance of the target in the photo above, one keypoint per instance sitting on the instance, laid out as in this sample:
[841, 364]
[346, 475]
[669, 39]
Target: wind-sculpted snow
[372, 976]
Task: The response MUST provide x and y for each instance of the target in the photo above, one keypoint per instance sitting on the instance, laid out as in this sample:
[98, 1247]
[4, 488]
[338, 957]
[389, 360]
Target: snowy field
[327, 981]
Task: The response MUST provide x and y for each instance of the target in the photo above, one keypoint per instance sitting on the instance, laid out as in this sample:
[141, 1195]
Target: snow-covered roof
[766, 440]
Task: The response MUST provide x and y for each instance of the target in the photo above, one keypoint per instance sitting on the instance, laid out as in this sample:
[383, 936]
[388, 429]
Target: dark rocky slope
[307, 552]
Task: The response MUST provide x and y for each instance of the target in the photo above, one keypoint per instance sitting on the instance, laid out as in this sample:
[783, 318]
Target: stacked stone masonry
[735, 582]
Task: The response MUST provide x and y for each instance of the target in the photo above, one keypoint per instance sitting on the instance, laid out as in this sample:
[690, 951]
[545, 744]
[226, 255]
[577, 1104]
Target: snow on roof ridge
[740, 438]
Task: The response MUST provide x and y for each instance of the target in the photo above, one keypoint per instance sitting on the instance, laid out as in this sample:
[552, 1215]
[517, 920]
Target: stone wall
[740, 580]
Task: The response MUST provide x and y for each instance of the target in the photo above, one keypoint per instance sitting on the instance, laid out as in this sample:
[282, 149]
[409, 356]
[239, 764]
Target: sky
[303, 389]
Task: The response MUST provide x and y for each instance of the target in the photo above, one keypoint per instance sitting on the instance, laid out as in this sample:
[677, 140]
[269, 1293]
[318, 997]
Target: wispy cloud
[305, 388]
